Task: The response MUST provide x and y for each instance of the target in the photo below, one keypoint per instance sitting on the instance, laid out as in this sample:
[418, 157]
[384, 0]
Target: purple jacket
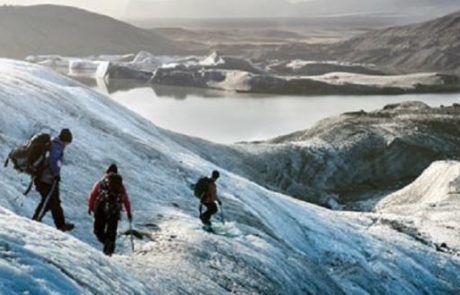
[55, 155]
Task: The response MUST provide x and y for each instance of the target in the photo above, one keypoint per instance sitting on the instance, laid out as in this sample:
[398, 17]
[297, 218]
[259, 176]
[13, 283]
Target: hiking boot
[109, 248]
[67, 227]
[204, 221]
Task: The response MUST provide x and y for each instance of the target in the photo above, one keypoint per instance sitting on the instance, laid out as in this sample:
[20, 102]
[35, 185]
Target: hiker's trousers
[54, 203]
[105, 229]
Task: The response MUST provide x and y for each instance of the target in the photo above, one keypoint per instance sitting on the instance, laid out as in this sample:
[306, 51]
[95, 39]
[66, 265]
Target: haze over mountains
[423, 9]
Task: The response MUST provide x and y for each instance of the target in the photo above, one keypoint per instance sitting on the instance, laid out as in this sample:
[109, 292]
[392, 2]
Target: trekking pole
[131, 236]
[29, 187]
[46, 201]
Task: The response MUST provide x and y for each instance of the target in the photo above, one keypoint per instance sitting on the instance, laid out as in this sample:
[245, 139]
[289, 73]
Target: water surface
[228, 117]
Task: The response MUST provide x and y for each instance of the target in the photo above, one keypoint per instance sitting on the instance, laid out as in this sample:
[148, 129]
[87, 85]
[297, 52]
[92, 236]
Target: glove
[89, 211]
[57, 178]
[219, 202]
[130, 217]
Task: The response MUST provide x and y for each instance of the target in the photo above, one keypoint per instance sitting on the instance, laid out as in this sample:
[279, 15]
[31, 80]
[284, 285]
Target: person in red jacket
[105, 201]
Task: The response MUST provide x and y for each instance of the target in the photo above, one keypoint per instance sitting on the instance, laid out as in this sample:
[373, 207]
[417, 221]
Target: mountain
[269, 244]
[425, 9]
[428, 46]
[48, 29]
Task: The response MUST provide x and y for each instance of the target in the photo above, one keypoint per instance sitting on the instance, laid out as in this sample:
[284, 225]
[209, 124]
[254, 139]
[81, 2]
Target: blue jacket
[55, 155]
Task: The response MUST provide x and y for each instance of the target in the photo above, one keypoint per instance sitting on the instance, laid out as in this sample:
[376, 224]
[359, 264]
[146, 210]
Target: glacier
[238, 74]
[274, 244]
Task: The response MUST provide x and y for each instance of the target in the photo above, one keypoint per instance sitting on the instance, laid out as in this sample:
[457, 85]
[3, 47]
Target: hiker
[105, 201]
[47, 182]
[209, 199]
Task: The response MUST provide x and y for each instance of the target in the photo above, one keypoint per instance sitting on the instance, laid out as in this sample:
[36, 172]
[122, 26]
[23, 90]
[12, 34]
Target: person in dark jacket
[210, 198]
[47, 183]
[105, 200]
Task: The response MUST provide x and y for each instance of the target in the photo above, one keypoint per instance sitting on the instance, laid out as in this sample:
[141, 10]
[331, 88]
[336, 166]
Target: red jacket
[95, 192]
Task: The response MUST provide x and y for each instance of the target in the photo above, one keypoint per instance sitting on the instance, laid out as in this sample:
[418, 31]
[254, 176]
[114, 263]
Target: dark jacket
[211, 193]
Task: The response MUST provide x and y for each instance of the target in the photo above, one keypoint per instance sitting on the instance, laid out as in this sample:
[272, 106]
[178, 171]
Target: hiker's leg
[43, 189]
[54, 205]
[100, 224]
[211, 208]
[110, 239]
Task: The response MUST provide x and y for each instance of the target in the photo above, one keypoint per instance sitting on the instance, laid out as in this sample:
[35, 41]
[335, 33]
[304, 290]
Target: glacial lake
[227, 117]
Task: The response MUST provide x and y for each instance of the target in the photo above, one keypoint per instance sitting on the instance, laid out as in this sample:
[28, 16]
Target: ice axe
[131, 235]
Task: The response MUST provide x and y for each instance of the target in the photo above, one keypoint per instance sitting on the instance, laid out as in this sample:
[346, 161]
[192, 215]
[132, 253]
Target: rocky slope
[427, 46]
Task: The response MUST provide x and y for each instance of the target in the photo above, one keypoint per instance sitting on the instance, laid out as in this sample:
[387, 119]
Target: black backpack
[107, 200]
[201, 187]
[30, 157]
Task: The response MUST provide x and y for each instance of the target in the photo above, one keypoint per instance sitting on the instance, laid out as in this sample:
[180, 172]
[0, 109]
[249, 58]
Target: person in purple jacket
[47, 184]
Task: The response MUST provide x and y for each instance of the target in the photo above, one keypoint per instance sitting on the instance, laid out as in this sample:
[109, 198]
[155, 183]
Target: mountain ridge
[428, 46]
[52, 29]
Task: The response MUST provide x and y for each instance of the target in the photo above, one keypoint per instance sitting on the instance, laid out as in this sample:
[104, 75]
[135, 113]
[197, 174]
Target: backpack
[109, 202]
[201, 187]
[30, 157]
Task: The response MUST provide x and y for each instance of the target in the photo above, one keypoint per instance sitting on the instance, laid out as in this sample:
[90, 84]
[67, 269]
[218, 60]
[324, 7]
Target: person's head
[65, 136]
[112, 169]
[215, 174]
[115, 183]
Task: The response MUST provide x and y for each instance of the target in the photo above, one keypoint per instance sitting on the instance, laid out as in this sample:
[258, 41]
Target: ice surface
[276, 244]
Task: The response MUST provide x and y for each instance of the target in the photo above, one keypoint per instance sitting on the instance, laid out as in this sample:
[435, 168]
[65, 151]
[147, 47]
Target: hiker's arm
[92, 197]
[126, 203]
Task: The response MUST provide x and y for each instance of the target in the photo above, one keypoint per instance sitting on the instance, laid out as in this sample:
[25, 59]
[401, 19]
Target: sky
[114, 8]
[132, 9]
